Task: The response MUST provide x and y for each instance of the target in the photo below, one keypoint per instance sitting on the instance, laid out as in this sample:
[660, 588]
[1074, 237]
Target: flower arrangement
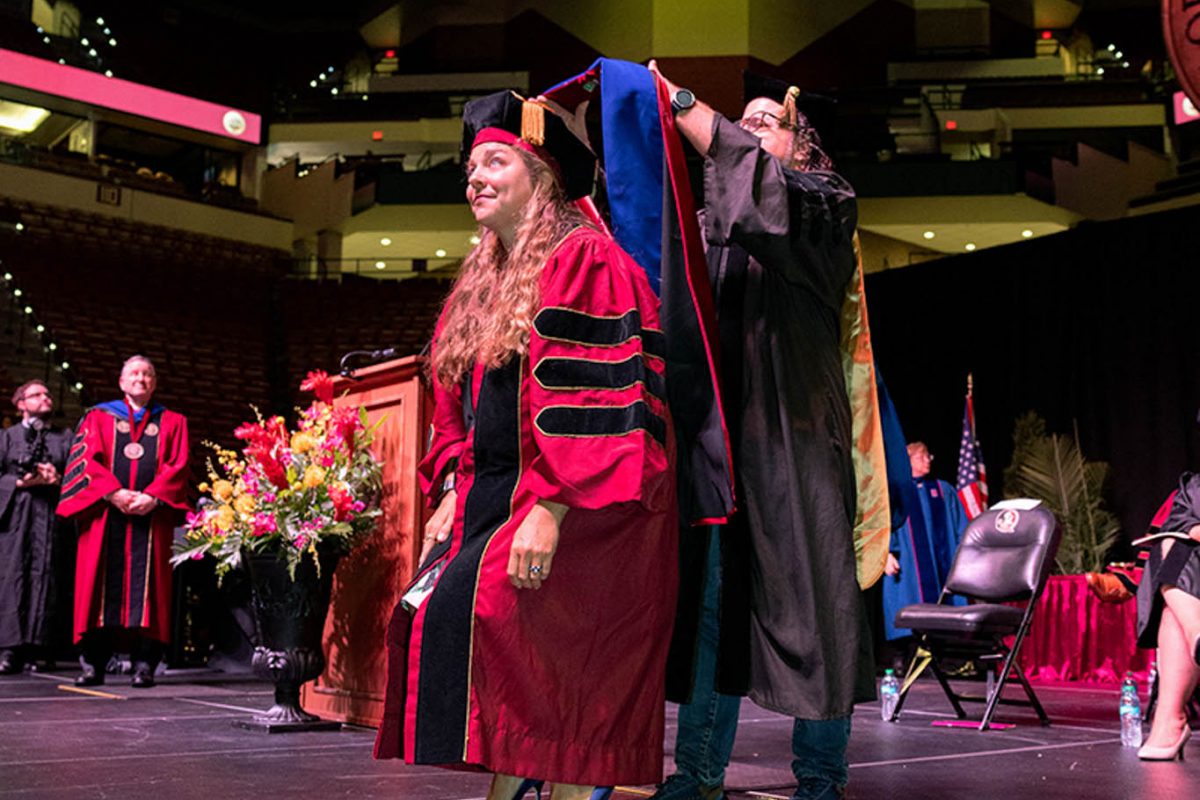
[293, 492]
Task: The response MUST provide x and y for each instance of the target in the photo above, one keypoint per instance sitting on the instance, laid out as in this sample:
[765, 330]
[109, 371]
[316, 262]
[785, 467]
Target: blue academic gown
[925, 546]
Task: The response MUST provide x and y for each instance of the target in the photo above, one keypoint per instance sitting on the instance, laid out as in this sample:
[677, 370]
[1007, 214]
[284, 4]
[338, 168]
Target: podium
[368, 582]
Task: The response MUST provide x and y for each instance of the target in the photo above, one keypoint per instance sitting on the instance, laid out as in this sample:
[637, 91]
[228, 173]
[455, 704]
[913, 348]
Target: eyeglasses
[762, 119]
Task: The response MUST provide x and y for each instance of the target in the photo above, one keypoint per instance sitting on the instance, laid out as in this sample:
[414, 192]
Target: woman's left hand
[533, 546]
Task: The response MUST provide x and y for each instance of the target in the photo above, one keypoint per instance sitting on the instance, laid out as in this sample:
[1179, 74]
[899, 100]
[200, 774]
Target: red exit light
[377, 136]
[1047, 35]
[389, 53]
[951, 124]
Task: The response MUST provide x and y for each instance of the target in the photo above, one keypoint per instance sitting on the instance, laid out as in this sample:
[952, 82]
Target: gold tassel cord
[533, 123]
[789, 106]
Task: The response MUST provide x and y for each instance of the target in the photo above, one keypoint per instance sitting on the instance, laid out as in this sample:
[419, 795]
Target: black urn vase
[289, 619]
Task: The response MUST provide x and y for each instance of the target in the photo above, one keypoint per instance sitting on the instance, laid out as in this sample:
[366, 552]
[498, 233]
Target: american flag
[972, 474]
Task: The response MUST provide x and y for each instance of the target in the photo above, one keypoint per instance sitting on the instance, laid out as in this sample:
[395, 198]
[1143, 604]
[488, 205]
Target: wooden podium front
[368, 582]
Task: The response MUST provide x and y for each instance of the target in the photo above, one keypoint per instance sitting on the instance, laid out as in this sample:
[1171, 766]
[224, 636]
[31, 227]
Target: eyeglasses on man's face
[761, 120]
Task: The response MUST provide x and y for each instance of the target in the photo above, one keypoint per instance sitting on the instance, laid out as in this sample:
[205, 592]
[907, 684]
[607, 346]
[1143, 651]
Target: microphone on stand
[370, 355]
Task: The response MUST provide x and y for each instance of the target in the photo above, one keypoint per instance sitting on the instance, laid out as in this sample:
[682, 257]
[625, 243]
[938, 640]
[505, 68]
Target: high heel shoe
[1148, 753]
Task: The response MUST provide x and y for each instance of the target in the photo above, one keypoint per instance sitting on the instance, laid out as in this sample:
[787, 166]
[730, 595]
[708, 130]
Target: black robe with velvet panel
[27, 525]
[792, 626]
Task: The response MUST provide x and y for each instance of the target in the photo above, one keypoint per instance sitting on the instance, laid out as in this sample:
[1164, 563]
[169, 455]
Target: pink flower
[262, 524]
[320, 384]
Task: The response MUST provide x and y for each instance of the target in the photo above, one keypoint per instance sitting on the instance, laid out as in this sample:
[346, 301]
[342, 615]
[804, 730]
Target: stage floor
[177, 741]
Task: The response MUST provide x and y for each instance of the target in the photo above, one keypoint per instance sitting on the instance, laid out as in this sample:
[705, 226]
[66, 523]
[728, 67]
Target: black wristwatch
[682, 100]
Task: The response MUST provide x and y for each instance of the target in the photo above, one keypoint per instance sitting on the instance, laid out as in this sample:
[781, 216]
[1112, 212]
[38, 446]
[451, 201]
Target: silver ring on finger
[536, 569]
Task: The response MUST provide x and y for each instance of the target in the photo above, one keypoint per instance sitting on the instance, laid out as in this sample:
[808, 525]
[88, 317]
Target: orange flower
[245, 504]
[222, 490]
[303, 442]
[314, 476]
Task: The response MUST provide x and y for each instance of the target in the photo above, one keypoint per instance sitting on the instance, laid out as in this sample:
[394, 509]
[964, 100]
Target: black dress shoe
[90, 678]
[142, 679]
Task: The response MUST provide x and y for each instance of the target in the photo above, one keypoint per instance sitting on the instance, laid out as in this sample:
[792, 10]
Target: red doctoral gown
[564, 683]
[123, 566]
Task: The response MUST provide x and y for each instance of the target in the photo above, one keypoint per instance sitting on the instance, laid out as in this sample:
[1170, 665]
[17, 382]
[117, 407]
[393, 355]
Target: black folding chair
[1005, 555]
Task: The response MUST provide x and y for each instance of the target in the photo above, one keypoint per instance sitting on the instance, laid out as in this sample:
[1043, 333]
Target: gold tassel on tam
[789, 106]
[533, 123]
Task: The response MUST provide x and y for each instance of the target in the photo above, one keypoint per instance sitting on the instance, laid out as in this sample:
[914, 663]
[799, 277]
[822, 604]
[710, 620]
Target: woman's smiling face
[498, 187]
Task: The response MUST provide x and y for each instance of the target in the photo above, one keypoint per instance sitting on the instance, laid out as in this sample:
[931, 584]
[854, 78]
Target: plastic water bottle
[1131, 713]
[889, 694]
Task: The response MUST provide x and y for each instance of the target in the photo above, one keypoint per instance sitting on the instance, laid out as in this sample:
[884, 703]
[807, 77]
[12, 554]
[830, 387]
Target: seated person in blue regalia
[923, 548]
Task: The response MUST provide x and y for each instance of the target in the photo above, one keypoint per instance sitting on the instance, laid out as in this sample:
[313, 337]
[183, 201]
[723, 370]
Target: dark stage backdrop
[1099, 324]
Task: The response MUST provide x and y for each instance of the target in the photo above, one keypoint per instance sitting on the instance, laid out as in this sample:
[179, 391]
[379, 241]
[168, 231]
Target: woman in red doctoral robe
[123, 568]
[540, 651]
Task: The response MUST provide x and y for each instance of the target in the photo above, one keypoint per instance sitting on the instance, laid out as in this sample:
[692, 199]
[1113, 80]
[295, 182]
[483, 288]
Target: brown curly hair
[489, 312]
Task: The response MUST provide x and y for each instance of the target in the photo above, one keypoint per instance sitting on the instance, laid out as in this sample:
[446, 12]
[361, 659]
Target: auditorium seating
[224, 326]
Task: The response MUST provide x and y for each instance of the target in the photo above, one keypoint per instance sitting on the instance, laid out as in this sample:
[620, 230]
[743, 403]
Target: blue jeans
[708, 724]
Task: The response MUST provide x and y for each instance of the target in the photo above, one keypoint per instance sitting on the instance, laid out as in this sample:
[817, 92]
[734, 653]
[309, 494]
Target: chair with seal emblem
[1005, 556]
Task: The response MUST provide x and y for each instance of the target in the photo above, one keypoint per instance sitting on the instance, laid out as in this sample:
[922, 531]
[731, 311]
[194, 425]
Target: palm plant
[1050, 467]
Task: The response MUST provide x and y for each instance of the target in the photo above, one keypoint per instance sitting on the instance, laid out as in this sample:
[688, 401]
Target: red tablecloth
[1075, 637]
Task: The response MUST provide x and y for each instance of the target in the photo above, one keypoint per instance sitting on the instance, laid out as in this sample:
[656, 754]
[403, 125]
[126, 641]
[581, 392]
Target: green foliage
[1050, 467]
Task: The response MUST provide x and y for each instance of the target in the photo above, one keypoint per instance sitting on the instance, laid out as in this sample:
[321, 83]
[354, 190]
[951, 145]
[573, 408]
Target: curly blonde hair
[489, 313]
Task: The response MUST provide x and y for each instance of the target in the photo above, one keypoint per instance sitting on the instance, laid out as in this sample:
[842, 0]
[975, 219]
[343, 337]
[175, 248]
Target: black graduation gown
[793, 628]
[27, 525]
[1180, 567]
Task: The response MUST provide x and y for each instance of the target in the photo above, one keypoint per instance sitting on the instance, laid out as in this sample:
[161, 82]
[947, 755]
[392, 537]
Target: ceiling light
[84, 42]
[1118, 54]
[16, 292]
[20, 117]
[385, 241]
[970, 246]
[28, 309]
[8, 276]
[475, 239]
[112, 42]
[66, 365]
[20, 226]
[52, 346]
[41, 328]
[440, 253]
[78, 386]
[46, 39]
[107, 31]
[1025, 234]
[929, 234]
[108, 73]
[1112, 47]
[380, 264]
[329, 70]
[333, 90]
[313, 84]
[1099, 70]
[93, 52]
[99, 20]
[62, 61]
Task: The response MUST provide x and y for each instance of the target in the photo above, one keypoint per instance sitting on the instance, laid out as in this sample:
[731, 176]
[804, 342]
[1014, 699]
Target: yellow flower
[302, 443]
[222, 490]
[204, 487]
[225, 518]
[314, 476]
[245, 504]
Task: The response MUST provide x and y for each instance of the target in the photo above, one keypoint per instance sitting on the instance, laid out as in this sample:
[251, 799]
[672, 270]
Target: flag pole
[970, 384]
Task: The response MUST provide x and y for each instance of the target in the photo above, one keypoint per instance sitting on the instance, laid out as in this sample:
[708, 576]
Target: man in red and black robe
[126, 483]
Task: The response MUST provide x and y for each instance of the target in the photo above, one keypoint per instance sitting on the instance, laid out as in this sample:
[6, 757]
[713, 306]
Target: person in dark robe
[126, 487]
[33, 456]
[923, 548]
[1168, 599]
[539, 652]
[779, 616]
